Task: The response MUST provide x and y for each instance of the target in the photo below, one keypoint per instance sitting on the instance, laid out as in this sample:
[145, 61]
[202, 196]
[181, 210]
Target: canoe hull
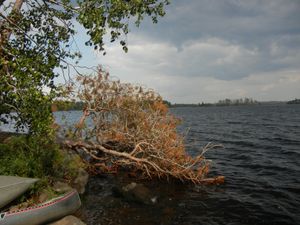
[12, 187]
[43, 213]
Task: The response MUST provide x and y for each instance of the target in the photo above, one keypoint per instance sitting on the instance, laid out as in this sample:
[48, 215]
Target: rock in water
[81, 181]
[136, 193]
[68, 220]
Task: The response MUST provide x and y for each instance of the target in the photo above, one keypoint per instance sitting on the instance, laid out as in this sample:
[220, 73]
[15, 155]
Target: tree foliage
[131, 127]
[36, 37]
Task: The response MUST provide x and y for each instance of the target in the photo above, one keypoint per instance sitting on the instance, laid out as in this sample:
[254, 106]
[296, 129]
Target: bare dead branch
[132, 128]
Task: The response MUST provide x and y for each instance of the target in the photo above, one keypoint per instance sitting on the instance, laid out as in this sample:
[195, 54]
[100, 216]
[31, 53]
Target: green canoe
[11, 187]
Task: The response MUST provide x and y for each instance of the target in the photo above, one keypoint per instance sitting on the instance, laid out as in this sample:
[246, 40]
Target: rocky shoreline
[130, 191]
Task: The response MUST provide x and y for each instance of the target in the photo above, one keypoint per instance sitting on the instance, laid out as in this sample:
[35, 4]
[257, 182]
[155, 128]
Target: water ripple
[261, 162]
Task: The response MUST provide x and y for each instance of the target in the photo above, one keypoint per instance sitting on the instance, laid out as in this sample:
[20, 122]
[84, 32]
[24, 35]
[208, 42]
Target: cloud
[195, 72]
[203, 57]
[262, 87]
[247, 22]
[259, 36]
[206, 50]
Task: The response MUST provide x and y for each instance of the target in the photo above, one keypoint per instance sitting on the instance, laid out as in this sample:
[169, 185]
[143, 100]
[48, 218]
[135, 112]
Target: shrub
[37, 157]
[29, 156]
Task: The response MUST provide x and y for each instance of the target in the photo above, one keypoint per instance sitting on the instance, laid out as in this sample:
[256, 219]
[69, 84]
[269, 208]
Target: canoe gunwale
[42, 205]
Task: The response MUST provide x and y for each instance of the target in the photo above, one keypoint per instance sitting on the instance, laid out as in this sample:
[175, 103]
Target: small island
[295, 101]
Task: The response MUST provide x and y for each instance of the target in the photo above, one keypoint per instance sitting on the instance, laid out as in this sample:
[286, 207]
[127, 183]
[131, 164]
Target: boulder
[81, 180]
[136, 193]
[79, 183]
[68, 220]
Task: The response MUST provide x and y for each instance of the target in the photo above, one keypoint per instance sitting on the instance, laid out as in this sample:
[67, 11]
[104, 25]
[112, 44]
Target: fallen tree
[130, 127]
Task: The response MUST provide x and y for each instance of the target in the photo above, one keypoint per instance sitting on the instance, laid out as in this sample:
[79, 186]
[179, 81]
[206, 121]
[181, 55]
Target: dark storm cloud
[264, 34]
[234, 20]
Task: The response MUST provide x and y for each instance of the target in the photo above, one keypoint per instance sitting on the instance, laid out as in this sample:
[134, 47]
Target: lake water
[260, 160]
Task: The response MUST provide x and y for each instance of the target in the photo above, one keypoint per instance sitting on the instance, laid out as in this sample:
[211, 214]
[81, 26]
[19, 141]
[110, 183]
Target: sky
[207, 50]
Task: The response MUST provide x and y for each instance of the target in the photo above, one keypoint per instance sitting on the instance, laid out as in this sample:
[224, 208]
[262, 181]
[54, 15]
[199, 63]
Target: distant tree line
[295, 101]
[224, 102]
[60, 105]
[241, 101]
[184, 105]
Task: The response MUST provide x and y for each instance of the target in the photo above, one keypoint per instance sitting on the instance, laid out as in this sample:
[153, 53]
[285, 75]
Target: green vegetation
[36, 37]
[67, 105]
[30, 156]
